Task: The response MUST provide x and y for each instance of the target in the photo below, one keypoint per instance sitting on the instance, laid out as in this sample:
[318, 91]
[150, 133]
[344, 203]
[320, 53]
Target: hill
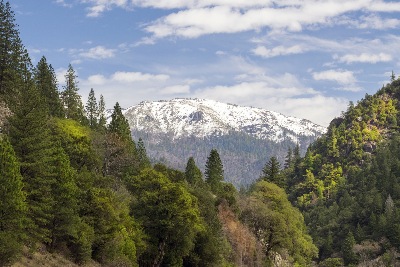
[348, 186]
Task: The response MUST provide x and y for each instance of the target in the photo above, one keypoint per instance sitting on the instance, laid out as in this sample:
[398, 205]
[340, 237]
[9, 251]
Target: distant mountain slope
[245, 136]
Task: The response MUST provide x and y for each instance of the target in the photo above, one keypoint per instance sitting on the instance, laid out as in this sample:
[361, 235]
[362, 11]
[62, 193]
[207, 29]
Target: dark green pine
[46, 83]
[32, 142]
[92, 109]
[13, 56]
[119, 124]
[214, 171]
[193, 174]
[144, 161]
[70, 97]
[12, 204]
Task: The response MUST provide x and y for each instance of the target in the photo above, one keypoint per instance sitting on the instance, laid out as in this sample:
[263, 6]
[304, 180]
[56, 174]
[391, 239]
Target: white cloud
[366, 58]
[175, 90]
[129, 77]
[278, 51]
[98, 52]
[343, 77]
[293, 101]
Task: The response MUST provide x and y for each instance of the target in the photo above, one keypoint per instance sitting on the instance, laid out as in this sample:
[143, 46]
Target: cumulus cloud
[98, 52]
[366, 58]
[175, 90]
[343, 77]
[293, 101]
[187, 16]
[262, 51]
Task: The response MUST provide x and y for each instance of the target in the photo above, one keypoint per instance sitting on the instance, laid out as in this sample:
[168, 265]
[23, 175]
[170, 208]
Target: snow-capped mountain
[202, 118]
[245, 137]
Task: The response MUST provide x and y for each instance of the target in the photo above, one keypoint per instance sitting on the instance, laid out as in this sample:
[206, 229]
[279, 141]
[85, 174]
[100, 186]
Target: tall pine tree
[32, 142]
[214, 171]
[46, 83]
[12, 204]
[71, 99]
[193, 174]
[92, 109]
[13, 57]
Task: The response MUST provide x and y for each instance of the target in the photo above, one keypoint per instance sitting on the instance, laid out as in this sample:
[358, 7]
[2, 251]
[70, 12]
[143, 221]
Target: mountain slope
[246, 137]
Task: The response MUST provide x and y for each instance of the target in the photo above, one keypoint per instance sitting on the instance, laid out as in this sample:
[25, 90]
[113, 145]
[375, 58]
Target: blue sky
[304, 58]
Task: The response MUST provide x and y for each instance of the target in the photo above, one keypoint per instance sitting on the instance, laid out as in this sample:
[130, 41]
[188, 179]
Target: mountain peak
[202, 118]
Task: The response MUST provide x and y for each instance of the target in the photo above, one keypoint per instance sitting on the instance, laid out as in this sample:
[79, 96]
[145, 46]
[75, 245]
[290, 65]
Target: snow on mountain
[202, 118]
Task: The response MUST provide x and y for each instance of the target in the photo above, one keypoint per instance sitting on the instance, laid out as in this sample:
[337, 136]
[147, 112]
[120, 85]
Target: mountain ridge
[202, 117]
[246, 137]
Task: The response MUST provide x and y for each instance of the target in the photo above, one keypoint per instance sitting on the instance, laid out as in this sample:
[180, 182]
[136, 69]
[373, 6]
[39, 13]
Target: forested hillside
[347, 185]
[77, 187]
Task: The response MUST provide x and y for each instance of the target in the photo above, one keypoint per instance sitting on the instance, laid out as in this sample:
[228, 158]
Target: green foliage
[12, 204]
[76, 140]
[70, 98]
[92, 109]
[14, 58]
[349, 256]
[119, 124]
[277, 224]
[193, 174]
[169, 215]
[33, 145]
[46, 82]
[271, 172]
[143, 159]
[214, 171]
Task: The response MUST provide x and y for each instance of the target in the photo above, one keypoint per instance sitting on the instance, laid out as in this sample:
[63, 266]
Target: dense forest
[74, 185]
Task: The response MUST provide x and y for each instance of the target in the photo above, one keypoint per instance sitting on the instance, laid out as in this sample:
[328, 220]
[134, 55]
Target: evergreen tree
[101, 113]
[214, 171]
[31, 139]
[119, 124]
[12, 204]
[144, 161]
[288, 159]
[13, 56]
[92, 109]
[120, 153]
[46, 83]
[192, 173]
[71, 99]
[270, 172]
[349, 256]
[65, 220]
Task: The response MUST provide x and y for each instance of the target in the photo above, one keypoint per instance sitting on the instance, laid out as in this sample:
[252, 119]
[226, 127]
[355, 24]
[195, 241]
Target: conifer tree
[288, 159]
[46, 83]
[71, 99]
[12, 204]
[101, 113]
[214, 171]
[270, 172]
[119, 124]
[65, 218]
[13, 56]
[192, 173]
[31, 139]
[92, 109]
[144, 161]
